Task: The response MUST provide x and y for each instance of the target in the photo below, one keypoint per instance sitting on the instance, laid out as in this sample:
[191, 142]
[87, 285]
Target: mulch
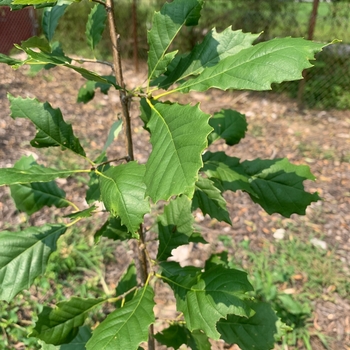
[277, 128]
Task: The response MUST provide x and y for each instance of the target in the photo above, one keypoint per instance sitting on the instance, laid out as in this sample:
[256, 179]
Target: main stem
[125, 100]
[117, 65]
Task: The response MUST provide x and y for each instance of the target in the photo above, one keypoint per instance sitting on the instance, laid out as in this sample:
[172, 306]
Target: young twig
[92, 60]
[111, 161]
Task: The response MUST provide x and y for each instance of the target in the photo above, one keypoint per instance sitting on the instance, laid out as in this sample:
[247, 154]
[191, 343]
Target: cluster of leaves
[214, 301]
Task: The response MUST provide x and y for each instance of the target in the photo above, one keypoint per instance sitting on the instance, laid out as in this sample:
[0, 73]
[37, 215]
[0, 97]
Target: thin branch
[111, 161]
[124, 98]
[92, 60]
[122, 296]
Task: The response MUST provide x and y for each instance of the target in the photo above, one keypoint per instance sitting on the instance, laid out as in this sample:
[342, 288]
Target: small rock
[279, 234]
[318, 243]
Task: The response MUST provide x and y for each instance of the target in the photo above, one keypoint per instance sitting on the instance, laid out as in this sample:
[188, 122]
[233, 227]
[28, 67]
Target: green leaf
[46, 57]
[214, 48]
[52, 130]
[51, 15]
[177, 334]
[293, 306]
[93, 192]
[127, 327]
[78, 343]
[95, 25]
[276, 185]
[56, 50]
[174, 226]
[279, 186]
[36, 173]
[196, 237]
[164, 62]
[257, 67]
[9, 60]
[32, 197]
[210, 296]
[228, 125]
[87, 91]
[173, 336]
[208, 198]
[13, 7]
[256, 332]
[113, 229]
[198, 341]
[89, 75]
[61, 324]
[123, 193]
[126, 283]
[24, 255]
[172, 168]
[217, 259]
[58, 58]
[38, 43]
[86, 213]
[165, 26]
[173, 269]
[116, 128]
[32, 2]
[228, 170]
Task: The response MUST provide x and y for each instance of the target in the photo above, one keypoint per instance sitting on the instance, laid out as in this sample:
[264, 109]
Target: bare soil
[277, 128]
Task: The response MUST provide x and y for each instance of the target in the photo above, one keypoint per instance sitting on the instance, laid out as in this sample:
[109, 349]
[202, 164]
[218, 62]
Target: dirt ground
[277, 129]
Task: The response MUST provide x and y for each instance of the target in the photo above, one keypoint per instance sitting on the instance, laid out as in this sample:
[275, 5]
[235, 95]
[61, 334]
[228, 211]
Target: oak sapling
[213, 302]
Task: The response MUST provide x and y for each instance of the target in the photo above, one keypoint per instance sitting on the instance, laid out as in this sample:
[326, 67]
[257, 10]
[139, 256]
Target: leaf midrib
[250, 61]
